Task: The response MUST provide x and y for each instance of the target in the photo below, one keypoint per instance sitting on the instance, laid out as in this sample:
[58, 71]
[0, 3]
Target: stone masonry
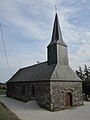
[49, 95]
[53, 84]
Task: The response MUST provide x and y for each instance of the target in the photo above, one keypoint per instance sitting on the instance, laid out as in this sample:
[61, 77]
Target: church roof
[64, 73]
[43, 72]
[56, 34]
[33, 73]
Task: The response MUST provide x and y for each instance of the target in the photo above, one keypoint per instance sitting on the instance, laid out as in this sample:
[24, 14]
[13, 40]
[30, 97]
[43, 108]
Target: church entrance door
[68, 100]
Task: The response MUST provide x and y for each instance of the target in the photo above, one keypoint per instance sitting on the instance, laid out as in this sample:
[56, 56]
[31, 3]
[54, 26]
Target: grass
[5, 114]
[2, 91]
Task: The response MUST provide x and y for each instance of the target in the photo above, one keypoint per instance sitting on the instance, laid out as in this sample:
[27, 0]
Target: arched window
[33, 89]
[23, 88]
[12, 86]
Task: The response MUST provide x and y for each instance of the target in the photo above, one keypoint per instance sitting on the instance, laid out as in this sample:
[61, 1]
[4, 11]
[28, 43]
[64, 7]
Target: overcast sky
[27, 28]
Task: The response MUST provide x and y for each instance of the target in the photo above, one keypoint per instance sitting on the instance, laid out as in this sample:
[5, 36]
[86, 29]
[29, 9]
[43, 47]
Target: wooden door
[68, 100]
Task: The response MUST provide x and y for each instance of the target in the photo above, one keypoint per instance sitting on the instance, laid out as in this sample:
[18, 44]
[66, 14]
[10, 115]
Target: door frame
[68, 99]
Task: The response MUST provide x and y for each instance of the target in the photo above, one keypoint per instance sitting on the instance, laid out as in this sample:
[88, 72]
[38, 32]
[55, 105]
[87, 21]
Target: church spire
[57, 49]
[56, 34]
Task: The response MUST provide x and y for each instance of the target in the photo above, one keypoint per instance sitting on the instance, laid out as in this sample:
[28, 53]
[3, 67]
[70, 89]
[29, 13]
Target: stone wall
[58, 90]
[20, 90]
[43, 94]
[49, 95]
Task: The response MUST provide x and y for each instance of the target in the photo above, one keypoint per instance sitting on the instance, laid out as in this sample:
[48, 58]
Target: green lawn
[5, 114]
[2, 91]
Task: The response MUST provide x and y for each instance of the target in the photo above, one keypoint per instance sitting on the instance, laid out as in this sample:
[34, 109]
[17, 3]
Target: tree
[80, 73]
[86, 73]
[85, 76]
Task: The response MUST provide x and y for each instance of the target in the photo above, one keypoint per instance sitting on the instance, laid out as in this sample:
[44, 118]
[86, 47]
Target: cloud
[82, 55]
[29, 26]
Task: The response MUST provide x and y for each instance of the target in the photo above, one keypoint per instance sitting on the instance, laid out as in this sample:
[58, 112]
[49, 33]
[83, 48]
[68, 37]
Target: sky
[27, 28]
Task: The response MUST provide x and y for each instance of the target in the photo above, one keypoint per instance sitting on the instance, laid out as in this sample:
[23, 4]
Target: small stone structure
[53, 84]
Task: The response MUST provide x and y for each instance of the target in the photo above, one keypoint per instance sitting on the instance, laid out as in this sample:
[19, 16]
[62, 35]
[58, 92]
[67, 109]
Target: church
[53, 84]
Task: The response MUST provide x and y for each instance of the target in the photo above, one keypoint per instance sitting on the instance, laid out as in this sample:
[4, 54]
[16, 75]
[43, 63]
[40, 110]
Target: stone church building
[53, 84]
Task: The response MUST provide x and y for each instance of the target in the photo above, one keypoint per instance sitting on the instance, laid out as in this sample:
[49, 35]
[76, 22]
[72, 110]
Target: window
[54, 48]
[23, 88]
[8, 86]
[12, 87]
[33, 89]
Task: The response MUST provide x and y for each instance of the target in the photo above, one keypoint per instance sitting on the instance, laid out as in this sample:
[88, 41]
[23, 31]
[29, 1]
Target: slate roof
[64, 73]
[45, 72]
[57, 35]
[34, 73]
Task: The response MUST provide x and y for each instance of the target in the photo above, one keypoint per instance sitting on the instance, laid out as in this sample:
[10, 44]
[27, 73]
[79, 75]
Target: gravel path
[32, 111]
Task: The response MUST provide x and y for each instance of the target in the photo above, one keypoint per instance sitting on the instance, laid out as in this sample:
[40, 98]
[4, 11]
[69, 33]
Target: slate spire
[56, 34]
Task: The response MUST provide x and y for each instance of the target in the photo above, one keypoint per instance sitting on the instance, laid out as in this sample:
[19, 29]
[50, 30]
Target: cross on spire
[55, 8]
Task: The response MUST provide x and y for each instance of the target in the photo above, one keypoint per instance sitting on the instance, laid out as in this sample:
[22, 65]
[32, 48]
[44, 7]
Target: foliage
[85, 76]
[3, 86]
[2, 91]
[5, 114]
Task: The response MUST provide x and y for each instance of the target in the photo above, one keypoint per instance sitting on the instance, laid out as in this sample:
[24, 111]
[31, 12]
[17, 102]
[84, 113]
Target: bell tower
[57, 49]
